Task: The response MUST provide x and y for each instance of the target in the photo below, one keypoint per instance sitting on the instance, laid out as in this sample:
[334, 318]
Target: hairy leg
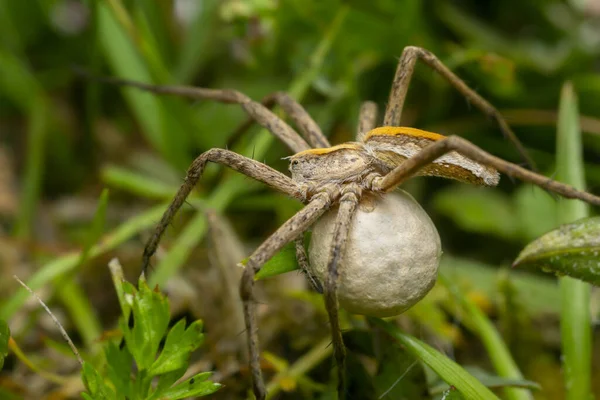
[246, 166]
[367, 119]
[455, 143]
[254, 109]
[404, 72]
[343, 223]
[308, 128]
[289, 231]
[302, 259]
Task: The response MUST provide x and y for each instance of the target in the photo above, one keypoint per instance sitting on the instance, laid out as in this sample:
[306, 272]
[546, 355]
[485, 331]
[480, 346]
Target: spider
[340, 179]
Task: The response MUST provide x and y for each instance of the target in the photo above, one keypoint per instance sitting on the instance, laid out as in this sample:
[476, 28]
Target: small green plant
[156, 370]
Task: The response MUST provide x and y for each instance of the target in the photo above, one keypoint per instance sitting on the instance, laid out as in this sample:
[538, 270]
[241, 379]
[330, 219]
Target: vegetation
[86, 170]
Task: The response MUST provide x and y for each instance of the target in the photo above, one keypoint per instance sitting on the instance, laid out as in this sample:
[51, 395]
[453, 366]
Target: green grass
[71, 140]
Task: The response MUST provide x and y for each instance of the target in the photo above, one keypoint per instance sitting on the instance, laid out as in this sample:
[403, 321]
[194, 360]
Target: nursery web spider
[324, 176]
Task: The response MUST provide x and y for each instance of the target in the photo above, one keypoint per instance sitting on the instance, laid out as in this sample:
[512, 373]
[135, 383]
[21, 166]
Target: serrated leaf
[150, 322]
[4, 336]
[572, 250]
[198, 385]
[165, 381]
[177, 349]
[119, 362]
[95, 385]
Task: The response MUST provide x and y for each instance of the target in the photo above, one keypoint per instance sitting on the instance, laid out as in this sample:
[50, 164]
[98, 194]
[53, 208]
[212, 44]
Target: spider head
[338, 164]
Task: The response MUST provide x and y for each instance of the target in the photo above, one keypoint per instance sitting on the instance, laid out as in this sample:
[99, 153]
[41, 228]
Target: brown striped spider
[349, 183]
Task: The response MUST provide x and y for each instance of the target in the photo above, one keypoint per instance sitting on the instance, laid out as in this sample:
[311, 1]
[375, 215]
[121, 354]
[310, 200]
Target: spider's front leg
[289, 231]
[307, 126]
[246, 166]
[406, 66]
[432, 152]
[348, 204]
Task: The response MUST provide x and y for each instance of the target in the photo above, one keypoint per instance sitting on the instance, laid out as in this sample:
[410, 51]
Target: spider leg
[343, 222]
[302, 259]
[455, 143]
[404, 72]
[367, 119]
[254, 109]
[308, 128]
[247, 166]
[289, 231]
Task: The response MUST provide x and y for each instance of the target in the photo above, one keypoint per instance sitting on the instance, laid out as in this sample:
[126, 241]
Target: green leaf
[179, 345]
[571, 250]
[94, 383]
[118, 368]
[282, 262]
[198, 385]
[4, 336]
[150, 321]
[490, 380]
[448, 370]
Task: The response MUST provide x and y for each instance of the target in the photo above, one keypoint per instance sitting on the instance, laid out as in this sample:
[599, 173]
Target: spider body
[379, 152]
[350, 182]
[341, 164]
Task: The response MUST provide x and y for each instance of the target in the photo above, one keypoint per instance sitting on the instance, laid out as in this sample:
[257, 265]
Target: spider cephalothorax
[353, 182]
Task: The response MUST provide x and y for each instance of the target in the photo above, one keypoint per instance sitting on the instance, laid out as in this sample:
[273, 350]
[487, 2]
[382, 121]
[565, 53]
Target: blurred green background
[64, 138]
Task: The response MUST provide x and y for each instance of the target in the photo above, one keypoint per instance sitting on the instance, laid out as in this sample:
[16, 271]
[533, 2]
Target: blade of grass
[447, 369]
[196, 50]
[21, 87]
[72, 295]
[34, 166]
[575, 294]
[234, 185]
[69, 262]
[51, 377]
[136, 183]
[499, 354]
[133, 56]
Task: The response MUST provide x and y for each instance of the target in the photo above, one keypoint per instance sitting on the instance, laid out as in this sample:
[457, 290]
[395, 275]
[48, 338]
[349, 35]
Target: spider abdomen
[391, 258]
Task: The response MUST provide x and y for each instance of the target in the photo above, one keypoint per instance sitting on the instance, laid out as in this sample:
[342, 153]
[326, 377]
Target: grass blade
[69, 262]
[496, 348]
[448, 370]
[575, 294]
